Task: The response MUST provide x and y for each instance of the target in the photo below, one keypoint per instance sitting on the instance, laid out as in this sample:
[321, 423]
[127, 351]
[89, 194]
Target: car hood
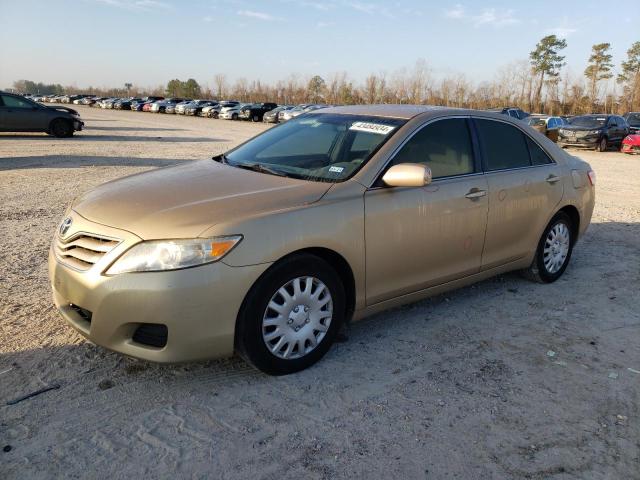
[578, 128]
[186, 200]
[64, 109]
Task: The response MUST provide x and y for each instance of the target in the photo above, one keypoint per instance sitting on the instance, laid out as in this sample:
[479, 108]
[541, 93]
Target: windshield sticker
[372, 128]
[601, 119]
[336, 169]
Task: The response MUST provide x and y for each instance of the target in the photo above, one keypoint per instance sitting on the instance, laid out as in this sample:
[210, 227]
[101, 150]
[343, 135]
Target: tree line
[538, 84]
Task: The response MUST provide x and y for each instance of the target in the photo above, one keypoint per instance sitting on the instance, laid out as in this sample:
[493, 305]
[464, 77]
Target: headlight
[155, 256]
[594, 132]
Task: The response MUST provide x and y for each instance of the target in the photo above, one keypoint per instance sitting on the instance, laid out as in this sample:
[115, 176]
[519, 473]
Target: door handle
[475, 193]
[553, 178]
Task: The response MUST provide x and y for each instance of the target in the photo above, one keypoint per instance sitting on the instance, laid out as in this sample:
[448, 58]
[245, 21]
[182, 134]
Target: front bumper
[591, 141]
[627, 148]
[78, 125]
[198, 306]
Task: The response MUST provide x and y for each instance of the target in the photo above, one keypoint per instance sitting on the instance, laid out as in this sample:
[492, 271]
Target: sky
[105, 43]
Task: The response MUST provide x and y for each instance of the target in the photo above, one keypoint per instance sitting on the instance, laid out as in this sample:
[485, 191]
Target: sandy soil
[504, 379]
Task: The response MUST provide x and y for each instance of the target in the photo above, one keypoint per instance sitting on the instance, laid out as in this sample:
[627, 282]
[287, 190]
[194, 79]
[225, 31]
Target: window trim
[477, 165]
[483, 160]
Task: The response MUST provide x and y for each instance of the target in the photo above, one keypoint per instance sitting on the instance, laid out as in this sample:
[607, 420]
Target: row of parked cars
[597, 131]
[224, 109]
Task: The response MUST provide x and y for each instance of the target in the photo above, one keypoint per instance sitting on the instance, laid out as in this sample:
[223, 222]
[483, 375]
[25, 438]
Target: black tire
[538, 272]
[61, 128]
[602, 145]
[256, 118]
[249, 337]
[215, 114]
[234, 116]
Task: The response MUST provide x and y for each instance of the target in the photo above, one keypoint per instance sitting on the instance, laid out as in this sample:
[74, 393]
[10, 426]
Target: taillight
[592, 177]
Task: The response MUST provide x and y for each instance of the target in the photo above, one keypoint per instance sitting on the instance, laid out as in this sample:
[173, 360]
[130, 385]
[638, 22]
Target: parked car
[593, 131]
[161, 106]
[633, 120]
[214, 111]
[179, 107]
[19, 114]
[546, 125]
[631, 144]
[255, 111]
[513, 112]
[269, 238]
[272, 115]
[231, 112]
[287, 115]
[195, 107]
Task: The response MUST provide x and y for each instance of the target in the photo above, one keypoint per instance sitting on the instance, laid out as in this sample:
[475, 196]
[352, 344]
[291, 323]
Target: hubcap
[556, 247]
[297, 318]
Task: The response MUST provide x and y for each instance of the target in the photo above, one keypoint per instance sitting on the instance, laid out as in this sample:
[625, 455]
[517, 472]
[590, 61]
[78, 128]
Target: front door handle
[553, 178]
[475, 193]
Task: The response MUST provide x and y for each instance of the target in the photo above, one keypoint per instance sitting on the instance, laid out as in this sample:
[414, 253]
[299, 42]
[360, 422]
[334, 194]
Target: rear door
[524, 189]
[20, 115]
[417, 237]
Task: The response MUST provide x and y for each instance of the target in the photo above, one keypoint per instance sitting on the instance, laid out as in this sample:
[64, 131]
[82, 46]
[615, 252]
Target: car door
[424, 236]
[525, 186]
[19, 114]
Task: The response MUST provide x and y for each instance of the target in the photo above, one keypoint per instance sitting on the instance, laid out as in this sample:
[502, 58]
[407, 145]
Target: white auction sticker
[336, 169]
[372, 127]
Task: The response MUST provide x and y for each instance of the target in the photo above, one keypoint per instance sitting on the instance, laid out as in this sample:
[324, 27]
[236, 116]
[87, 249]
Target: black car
[633, 119]
[19, 114]
[255, 112]
[514, 112]
[195, 107]
[594, 131]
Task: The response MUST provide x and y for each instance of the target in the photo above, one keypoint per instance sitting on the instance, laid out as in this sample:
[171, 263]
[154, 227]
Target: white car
[232, 112]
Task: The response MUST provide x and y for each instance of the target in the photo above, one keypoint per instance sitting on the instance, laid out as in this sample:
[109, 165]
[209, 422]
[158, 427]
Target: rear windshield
[317, 147]
[535, 122]
[591, 122]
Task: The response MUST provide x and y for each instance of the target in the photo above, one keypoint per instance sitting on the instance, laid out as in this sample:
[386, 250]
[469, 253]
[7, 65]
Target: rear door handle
[553, 178]
[475, 193]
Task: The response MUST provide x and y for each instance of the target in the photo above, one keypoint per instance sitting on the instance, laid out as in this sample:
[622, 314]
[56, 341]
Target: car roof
[393, 111]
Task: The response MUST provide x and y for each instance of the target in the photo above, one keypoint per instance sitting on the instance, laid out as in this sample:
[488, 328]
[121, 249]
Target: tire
[602, 145]
[61, 128]
[256, 118]
[259, 324]
[234, 116]
[543, 269]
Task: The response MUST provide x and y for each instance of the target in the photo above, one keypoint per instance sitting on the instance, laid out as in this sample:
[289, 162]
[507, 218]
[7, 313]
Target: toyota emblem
[65, 225]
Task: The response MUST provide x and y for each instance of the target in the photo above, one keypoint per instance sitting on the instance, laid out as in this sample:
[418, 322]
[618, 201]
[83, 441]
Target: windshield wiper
[259, 167]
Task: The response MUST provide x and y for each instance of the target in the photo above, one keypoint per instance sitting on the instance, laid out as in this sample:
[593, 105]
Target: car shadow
[80, 137]
[135, 129]
[76, 161]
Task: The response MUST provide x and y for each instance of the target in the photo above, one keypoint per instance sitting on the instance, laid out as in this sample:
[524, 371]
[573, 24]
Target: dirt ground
[504, 379]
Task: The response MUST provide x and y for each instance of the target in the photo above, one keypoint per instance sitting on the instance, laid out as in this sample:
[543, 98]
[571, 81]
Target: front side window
[503, 145]
[15, 102]
[318, 147]
[444, 146]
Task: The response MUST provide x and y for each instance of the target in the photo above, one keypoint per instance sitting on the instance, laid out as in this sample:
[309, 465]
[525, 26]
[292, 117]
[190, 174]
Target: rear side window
[10, 101]
[538, 156]
[444, 146]
[503, 145]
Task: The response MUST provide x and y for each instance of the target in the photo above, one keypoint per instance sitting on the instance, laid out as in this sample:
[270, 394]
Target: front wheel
[256, 118]
[291, 316]
[234, 116]
[602, 145]
[554, 250]
[61, 128]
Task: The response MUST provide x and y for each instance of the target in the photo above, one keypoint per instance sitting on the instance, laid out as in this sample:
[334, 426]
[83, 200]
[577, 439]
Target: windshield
[535, 121]
[590, 122]
[633, 119]
[318, 147]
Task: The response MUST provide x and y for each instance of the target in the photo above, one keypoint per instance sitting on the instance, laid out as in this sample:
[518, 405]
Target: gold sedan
[268, 249]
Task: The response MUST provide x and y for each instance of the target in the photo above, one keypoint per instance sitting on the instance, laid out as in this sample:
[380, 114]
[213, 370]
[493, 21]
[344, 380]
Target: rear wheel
[554, 250]
[602, 145]
[290, 318]
[61, 128]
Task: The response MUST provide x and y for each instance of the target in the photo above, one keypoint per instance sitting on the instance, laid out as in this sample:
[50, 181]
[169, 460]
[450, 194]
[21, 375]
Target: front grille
[152, 334]
[84, 250]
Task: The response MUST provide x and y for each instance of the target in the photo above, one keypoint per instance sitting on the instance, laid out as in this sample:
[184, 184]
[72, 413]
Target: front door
[424, 236]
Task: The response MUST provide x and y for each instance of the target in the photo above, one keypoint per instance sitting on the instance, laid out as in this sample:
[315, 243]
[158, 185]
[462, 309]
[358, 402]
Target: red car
[631, 144]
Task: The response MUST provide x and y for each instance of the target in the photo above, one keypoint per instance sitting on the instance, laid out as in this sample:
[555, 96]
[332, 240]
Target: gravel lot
[504, 379]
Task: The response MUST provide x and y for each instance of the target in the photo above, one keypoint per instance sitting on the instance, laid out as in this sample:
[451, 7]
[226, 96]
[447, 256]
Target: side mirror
[407, 175]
